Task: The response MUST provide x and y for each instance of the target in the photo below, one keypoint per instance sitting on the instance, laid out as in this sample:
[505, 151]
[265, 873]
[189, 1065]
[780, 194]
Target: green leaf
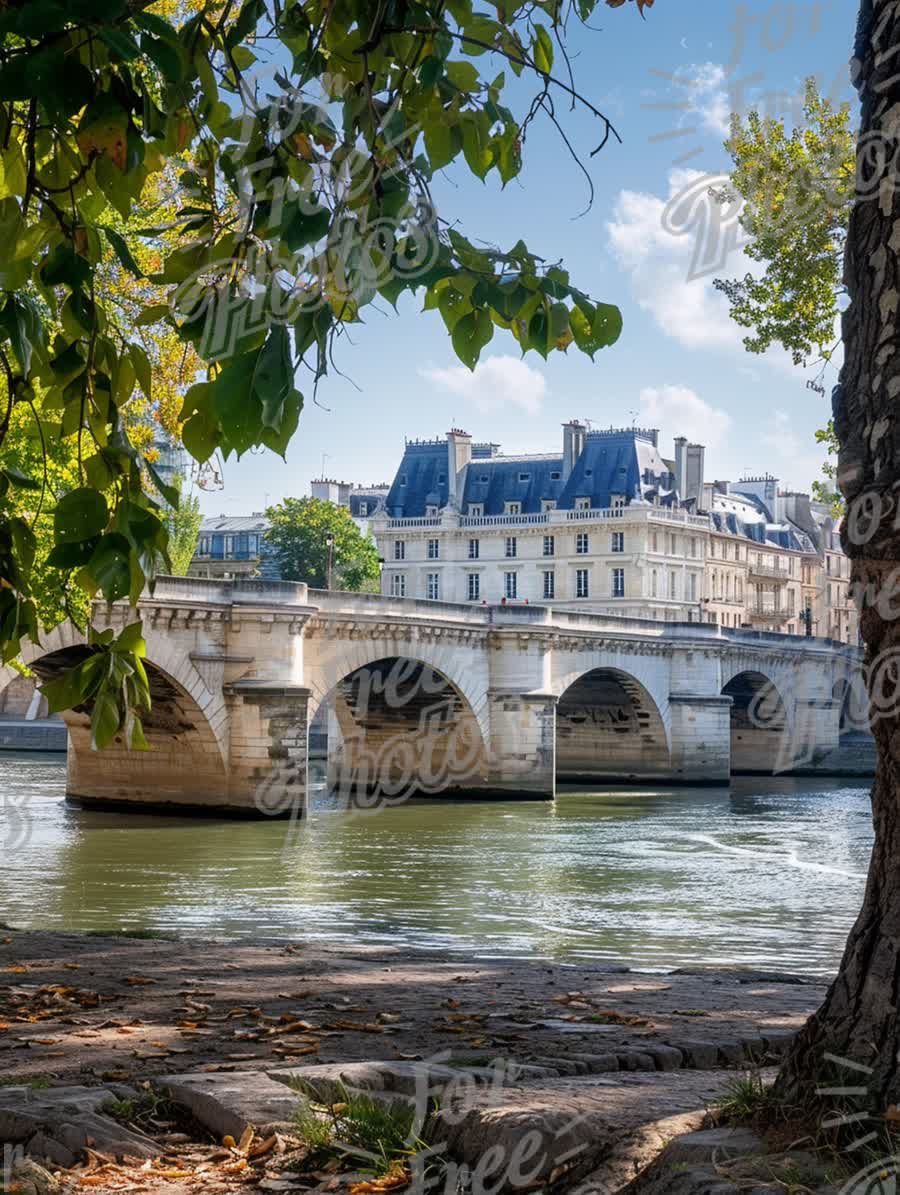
[171, 493]
[79, 515]
[542, 50]
[302, 227]
[105, 721]
[110, 566]
[142, 368]
[121, 250]
[273, 376]
[131, 639]
[20, 479]
[471, 334]
[122, 44]
[443, 141]
[69, 556]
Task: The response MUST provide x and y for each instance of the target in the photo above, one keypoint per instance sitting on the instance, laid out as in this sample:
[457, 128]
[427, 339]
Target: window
[674, 545]
[403, 479]
[549, 545]
[509, 585]
[673, 585]
[203, 547]
[476, 510]
[547, 504]
[474, 549]
[513, 508]
[473, 586]
[363, 509]
[510, 547]
[618, 502]
[654, 542]
[618, 541]
[433, 586]
[398, 585]
[229, 545]
[442, 477]
[430, 510]
[692, 586]
[654, 584]
[399, 549]
[582, 504]
[582, 583]
[524, 477]
[694, 549]
[556, 475]
[618, 582]
[434, 549]
[549, 583]
[581, 543]
[712, 549]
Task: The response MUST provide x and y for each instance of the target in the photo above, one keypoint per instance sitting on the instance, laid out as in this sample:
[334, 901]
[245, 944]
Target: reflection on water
[770, 873]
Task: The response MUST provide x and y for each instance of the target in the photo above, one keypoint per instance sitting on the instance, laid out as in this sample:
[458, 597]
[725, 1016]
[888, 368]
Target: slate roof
[621, 462]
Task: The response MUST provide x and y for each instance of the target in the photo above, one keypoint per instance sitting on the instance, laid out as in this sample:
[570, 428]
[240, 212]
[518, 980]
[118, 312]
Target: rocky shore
[559, 1075]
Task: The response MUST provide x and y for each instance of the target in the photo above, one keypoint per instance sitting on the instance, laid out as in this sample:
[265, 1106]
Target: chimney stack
[573, 446]
[459, 453]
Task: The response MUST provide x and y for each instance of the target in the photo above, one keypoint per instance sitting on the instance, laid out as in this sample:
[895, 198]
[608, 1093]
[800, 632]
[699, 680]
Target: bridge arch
[397, 727]
[760, 721]
[186, 729]
[609, 726]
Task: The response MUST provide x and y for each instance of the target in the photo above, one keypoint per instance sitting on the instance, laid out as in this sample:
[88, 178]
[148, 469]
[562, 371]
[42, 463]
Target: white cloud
[656, 244]
[707, 96]
[496, 383]
[659, 265]
[679, 411]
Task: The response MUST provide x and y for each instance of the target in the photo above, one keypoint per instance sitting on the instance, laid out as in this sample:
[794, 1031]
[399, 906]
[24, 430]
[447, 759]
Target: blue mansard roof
[625, 462]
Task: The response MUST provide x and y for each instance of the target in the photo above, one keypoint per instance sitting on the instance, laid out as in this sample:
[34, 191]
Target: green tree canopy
[797, 190]
[262, 174]
[298, 537]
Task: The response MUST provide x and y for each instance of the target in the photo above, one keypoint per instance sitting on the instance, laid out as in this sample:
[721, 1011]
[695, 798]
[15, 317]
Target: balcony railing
[503, 520]
[556, 517]
[769, 614]
[768, 573]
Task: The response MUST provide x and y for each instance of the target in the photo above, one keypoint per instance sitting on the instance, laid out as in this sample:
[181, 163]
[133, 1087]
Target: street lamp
[329, 544]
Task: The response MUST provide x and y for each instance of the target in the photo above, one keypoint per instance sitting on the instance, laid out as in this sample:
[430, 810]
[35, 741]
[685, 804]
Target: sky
[668, 83]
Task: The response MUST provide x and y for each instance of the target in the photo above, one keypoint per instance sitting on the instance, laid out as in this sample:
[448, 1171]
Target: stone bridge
[431, 698]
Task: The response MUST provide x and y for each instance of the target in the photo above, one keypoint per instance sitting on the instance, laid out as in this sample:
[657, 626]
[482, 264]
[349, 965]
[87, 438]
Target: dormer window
[512, 508]
[589, 472]
[442, 477]
[403, 479]
[524, 477]
[430, 510]
[476, 510]
[556, 475]
[582, 504]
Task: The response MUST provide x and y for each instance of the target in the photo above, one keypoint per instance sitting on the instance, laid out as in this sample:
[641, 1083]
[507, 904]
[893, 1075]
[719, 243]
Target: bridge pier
[523, 745]
[701, 738]
[267, 771]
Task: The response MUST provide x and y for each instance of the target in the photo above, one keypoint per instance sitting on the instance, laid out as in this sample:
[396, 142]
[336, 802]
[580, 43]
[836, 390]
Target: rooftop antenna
[324, 459]
[634, 416]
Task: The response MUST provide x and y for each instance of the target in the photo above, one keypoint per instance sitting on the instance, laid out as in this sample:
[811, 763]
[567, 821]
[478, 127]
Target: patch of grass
[35, 1082]
[150, 1106]
[357, 1126]
[466, 1063]
[746, 1098]
[689, 1012]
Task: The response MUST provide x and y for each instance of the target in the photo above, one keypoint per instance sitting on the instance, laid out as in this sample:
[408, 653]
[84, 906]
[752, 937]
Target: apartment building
[608, 524]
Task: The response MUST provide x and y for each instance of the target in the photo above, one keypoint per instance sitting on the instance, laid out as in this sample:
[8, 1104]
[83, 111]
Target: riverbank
[590, 1058]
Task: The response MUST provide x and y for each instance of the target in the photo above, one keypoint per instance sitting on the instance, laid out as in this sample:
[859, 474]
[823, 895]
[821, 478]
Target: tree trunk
[860, 1019]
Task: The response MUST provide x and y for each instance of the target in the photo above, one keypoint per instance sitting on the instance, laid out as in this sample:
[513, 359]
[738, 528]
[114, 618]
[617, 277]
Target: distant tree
[298, 536]
[183, 524]
[797, 189]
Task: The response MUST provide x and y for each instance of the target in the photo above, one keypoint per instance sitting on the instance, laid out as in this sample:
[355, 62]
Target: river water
[769, 873]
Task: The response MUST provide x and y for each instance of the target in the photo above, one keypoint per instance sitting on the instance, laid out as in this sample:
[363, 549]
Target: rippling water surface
[770, 873]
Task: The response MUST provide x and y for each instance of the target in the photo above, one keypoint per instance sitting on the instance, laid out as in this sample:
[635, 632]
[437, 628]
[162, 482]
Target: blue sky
[668, 83]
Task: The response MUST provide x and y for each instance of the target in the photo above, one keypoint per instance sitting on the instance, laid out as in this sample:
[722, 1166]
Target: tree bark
[860, 1019]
